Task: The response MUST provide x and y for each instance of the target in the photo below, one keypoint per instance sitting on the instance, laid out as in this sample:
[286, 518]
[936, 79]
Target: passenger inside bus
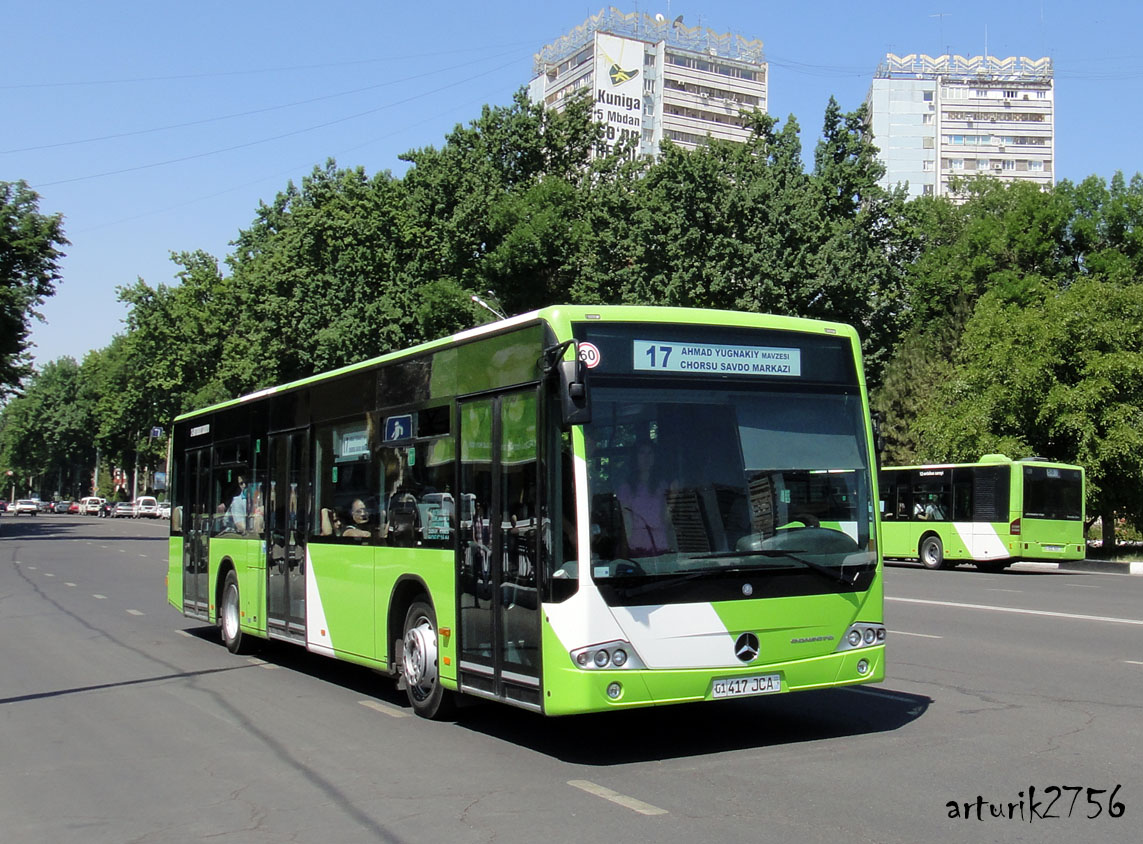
[644, 505]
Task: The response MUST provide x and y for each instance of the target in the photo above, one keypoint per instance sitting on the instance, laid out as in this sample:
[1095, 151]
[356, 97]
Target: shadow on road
[617, 738]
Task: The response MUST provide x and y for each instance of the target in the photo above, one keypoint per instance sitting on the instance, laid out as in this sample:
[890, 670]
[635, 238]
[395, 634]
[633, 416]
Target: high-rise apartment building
[934, 118]
[651, 78]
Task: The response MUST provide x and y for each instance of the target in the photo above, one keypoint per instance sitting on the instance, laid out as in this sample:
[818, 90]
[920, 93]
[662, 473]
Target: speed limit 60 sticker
[589, 354]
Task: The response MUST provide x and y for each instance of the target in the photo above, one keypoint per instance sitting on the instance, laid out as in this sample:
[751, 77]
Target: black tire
[420, 664]
[932, 552]
[230, 616]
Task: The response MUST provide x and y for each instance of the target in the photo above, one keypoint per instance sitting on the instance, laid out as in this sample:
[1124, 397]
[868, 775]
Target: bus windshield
[697, 482]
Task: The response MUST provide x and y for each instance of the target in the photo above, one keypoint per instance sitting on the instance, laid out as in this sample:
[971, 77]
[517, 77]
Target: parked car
[3, 506]
[43, 506]
[73, 508]
[26, 507]
[61, 506]
[146, 506]
[123, 509]
[164, 510]
[90, 506]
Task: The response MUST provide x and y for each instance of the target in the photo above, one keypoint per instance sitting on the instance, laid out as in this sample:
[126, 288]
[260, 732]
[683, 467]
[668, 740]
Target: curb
[1104, 566]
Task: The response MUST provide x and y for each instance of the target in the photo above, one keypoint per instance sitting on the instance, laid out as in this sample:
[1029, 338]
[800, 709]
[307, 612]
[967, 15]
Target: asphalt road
[120, 720]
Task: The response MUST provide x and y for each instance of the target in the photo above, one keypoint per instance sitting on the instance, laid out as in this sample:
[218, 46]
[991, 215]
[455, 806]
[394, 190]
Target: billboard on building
[618, 90]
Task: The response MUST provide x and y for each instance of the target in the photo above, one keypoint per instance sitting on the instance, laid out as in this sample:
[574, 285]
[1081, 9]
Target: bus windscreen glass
[694, 482]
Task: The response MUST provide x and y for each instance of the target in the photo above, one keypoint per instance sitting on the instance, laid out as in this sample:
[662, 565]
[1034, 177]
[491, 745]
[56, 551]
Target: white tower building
[938, 117]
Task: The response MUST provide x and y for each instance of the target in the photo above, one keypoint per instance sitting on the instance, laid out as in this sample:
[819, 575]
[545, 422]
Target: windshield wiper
[825, 571]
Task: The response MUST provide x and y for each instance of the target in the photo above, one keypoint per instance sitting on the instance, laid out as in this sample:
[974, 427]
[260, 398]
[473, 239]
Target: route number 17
[659, 356]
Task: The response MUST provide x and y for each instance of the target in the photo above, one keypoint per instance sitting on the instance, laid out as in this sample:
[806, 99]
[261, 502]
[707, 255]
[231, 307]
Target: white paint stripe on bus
[1075, 616]
[617, 798]
[391, 711]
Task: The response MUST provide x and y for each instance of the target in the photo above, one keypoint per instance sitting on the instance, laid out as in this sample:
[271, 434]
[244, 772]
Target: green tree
[1060, 378]
[29, 271]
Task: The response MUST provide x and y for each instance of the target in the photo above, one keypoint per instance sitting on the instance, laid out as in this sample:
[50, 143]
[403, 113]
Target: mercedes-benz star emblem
[746, 648]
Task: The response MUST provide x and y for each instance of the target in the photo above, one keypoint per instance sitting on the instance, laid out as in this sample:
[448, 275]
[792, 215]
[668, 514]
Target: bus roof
[560, 318]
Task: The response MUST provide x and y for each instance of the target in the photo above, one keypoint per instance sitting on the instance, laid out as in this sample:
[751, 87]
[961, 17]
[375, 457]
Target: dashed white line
[100, 597]
[391, 711]
[922, 635]
[68, 583]
[997, 589]
[1133, 662]
[48, 574]
[134, 612]
[1019, 611]
[617, 798]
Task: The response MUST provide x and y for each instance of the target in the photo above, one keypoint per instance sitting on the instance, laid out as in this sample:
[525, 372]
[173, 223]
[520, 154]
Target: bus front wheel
[932, 552]
[230, 615]
[420, 661]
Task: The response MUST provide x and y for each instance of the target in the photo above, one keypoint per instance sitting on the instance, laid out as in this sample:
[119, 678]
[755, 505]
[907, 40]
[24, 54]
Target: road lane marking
[1133, 662]
[391, 711]
[48, 574]
[1019, 611]
[997, 589]
[617, 798]
[922, 635]
[68, 583]
[1082, 586]
[100, 597]
[134, 612]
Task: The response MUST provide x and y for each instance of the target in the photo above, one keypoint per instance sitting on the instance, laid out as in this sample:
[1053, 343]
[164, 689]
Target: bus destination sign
[709, 358]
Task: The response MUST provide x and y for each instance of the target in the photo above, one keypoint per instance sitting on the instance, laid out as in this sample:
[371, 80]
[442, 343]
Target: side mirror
[575, 397]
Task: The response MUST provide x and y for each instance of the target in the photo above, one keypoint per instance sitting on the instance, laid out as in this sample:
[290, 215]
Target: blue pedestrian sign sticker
[398, 427]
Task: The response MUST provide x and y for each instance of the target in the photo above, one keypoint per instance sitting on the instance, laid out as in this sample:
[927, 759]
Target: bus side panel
[235, 552]
[435, 569]
[175, 572]
[344, 575]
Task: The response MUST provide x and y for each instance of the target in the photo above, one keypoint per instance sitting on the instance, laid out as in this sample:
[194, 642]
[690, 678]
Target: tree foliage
[29, 271]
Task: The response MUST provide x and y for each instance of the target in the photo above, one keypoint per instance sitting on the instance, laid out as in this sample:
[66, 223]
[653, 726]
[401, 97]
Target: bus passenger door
[196, 536]
[499, 529]
[286, 536]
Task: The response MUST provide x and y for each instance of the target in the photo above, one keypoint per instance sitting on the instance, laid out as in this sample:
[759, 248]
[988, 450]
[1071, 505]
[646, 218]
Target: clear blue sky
[156, 127]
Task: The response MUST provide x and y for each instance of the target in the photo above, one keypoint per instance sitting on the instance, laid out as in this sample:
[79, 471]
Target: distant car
[90, 506]
[146, 506]
[3, 506]
[73, 508]
[123, 509]
[61, 506]
[44, 506]
[26, 507]
[164, 510]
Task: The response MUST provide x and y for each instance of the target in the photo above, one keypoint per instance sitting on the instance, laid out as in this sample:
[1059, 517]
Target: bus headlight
[862, 634]
[607, 655]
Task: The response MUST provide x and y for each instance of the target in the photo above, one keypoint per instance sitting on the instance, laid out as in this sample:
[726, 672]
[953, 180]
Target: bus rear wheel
[932, 552]
[420, 664]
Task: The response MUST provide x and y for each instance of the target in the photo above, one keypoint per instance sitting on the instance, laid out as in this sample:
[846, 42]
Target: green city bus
[573, 510]
[991, 513]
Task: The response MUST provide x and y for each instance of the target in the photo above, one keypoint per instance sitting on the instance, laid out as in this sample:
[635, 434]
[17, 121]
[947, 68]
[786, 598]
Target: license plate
[763, 684]
[1053, 547]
